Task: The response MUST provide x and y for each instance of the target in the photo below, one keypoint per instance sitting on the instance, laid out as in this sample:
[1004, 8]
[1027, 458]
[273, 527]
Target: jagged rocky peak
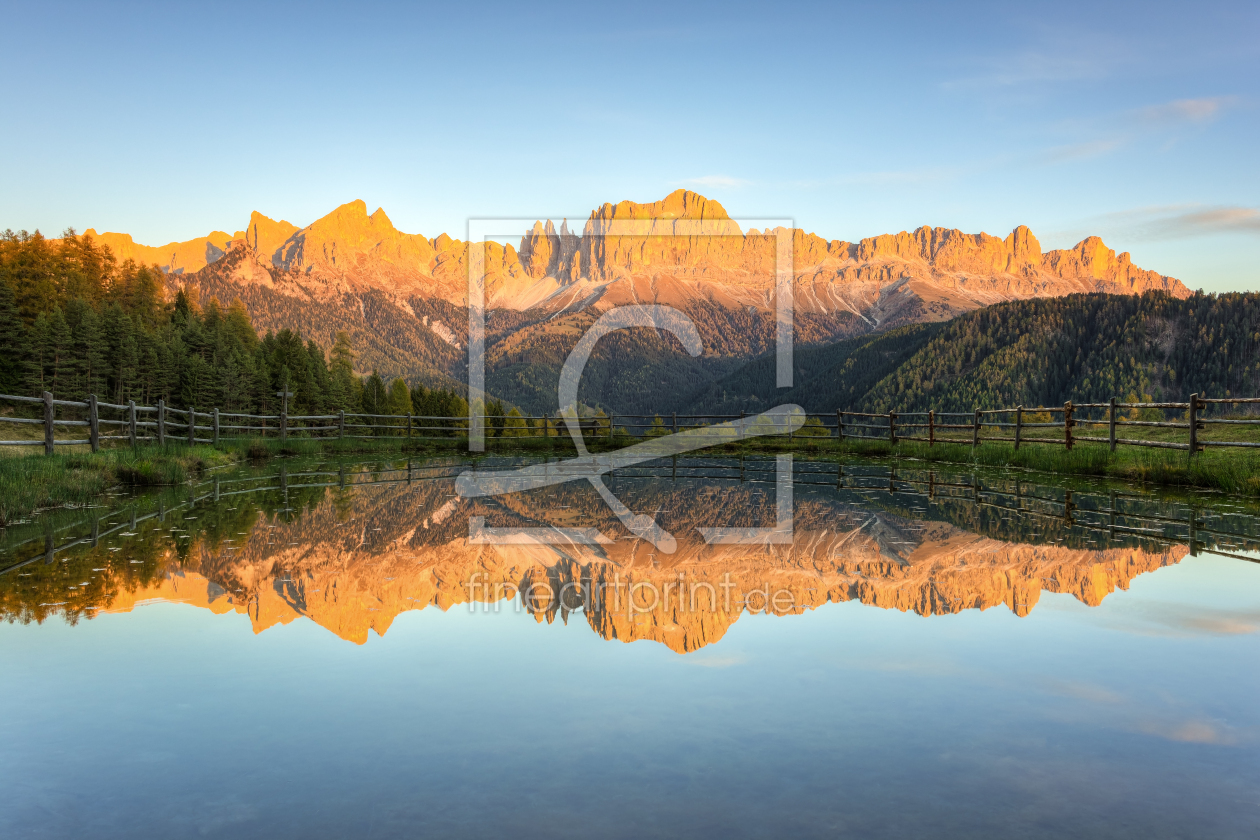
[544, 252]
[682, 247]
[339, 240]
[266, 236]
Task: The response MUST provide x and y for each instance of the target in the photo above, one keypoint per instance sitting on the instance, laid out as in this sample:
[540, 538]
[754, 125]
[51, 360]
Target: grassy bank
[33, 483]
[1236, 471]
[30, 483]
[36, 482]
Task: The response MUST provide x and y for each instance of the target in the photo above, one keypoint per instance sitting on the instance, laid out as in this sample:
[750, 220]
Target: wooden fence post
[192, 425]
[839, 426]
[131, 422]
[742, 415]
[1019, 424]
[610, 426]
[161, 423]
[932, 427]
[675, 422]
[216, 427]
[1111, 513]
[1067, 425]
[1194, 424]
[975, 430]
[892, 427]
[94, 424]
[284, 413]
[409, 426]
[1111, 424]
[341, 424]
[48, 423]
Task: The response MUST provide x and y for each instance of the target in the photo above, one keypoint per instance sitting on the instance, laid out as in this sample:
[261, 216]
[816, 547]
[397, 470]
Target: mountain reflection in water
[352, 549]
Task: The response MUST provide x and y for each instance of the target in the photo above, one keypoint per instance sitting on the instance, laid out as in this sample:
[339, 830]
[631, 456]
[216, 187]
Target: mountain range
[402, 297]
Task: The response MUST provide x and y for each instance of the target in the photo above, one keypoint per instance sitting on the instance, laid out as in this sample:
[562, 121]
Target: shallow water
[338, 650]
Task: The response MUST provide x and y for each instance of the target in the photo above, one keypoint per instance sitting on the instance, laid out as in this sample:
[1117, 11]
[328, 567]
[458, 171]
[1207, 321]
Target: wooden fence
[1105, 423]
[1112, 515]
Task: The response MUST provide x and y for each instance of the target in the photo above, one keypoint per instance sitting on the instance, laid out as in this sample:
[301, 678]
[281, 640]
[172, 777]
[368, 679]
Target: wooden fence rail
[110, 422]
[1114, 515]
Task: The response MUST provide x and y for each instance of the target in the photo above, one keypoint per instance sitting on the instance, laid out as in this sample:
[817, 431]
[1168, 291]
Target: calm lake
[353, 649]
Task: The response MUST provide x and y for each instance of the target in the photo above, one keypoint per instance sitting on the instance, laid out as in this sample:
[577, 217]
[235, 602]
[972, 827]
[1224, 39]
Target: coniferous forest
[1042, 351]
[74, 321]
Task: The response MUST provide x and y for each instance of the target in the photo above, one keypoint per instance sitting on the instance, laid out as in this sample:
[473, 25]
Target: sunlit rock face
[681, 249]
[352, 561]
[402, 298]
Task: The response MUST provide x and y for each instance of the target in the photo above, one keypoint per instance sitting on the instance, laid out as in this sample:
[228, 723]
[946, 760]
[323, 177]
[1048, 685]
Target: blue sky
[1137, 122]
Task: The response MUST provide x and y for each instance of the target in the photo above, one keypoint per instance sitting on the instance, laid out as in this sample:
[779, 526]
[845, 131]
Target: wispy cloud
[1068, 61]
[1163, 121]
[1176, 221]
[1080, 151]
[1190, 731]
[1168, 619]
[1210, 220]
[1182, 111]
[1085, 691]
[1162, 715]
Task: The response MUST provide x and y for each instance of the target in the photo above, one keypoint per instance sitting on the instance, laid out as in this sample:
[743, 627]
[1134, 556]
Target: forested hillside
[841, 373]
[73, 321]
[1042, 351]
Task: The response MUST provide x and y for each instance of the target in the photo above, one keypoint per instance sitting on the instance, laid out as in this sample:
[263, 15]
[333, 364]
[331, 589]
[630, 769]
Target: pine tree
[58, 367]
[87, 364]
[494, 418]
[375, 395]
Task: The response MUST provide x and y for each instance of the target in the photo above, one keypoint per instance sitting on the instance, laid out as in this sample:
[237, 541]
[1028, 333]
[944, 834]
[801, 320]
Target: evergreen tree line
[1040, 352]
[74, 321]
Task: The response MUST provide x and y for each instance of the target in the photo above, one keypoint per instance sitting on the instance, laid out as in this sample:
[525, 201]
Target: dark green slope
[826, 377]
[638, 371]
[1046, 351]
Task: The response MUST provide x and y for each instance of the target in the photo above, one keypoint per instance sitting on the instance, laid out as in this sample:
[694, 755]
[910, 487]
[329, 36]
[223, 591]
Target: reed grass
[34, 483]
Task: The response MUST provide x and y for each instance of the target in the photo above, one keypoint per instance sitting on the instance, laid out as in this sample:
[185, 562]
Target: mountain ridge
[403, 296]
[931, 273]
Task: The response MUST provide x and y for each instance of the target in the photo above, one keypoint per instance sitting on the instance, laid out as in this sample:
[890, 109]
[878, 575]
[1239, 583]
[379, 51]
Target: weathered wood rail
[133, 424]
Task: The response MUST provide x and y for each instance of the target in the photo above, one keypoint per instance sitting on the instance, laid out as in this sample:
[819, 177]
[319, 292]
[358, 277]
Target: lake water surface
[355, 650]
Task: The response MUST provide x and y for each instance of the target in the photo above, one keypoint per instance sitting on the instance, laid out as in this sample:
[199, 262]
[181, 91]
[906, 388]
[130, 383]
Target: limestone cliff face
[930, 274]
[680, 250]
[174, 257]
[265, 237]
